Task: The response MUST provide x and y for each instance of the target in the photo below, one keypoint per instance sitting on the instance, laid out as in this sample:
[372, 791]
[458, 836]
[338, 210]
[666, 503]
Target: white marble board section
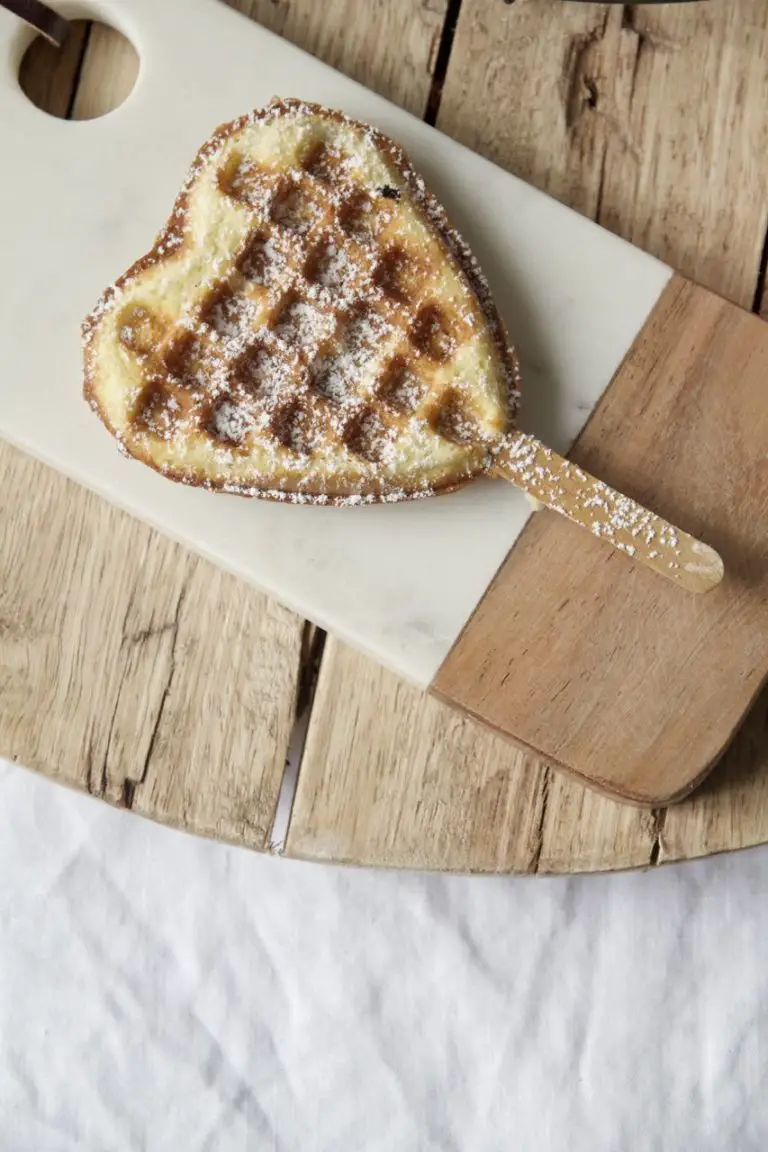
[85, 199]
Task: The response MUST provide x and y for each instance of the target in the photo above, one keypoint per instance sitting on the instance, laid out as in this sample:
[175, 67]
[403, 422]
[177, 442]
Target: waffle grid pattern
[324, 330]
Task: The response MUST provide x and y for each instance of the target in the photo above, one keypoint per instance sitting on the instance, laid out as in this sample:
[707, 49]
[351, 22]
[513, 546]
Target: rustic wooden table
[135, 670]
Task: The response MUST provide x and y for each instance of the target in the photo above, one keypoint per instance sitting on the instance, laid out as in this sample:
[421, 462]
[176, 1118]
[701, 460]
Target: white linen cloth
[162, 992]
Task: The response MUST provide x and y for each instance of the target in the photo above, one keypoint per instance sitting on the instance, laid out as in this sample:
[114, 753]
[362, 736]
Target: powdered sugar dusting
[265, 375]
[294, 346]
[364, 330]
[232, 318]
[248, 185]
[333, 268]
[302, 325]
[368, 436]
[609, 515]
[231, 422]
[264, 262]
[295, 211]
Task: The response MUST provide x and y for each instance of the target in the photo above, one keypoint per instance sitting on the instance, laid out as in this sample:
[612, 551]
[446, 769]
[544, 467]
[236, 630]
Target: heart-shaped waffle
[308, 327]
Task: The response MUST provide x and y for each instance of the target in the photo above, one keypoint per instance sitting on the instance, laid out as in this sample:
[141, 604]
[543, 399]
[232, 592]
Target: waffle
[308, 327]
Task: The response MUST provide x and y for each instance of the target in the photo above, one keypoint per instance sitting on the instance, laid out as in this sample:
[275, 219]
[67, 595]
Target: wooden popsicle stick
[564, 487]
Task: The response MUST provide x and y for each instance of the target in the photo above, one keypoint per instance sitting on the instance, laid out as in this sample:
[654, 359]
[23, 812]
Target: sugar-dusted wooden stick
[621, 521]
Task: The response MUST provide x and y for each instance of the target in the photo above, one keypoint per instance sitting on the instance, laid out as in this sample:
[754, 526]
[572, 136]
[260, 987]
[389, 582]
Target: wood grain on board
[427, 796]
[590, 659]
[649, 119]
[390, 776]
[135, 670]
[388, 45]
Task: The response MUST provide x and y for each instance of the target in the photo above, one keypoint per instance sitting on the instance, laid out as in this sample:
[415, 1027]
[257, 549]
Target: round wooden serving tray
[137, 671]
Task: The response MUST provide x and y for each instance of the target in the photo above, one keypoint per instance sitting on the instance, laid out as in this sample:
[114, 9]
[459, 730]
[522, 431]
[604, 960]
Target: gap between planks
[442, 61]
[312, 649]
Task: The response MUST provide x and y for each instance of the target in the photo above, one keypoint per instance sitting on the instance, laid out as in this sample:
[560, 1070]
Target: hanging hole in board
[93, 72]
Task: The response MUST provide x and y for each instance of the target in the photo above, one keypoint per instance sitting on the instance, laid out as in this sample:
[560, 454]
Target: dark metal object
[629, 3]
[47, 22]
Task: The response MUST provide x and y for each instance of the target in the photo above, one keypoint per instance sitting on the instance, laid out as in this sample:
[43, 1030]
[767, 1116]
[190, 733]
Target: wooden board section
[363, 788]
[135, 670]
[390, 46]
[592, 661]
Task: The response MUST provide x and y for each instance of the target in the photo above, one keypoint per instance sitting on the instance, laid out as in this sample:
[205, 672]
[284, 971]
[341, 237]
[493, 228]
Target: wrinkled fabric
[163, 992]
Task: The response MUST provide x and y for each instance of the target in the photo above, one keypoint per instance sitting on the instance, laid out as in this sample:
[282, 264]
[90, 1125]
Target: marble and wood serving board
[572, 651]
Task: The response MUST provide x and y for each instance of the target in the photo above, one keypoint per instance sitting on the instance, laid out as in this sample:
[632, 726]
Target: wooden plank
[596, 663]
[115, 643]
[389, 46]
[648, 119]
[392, 778]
